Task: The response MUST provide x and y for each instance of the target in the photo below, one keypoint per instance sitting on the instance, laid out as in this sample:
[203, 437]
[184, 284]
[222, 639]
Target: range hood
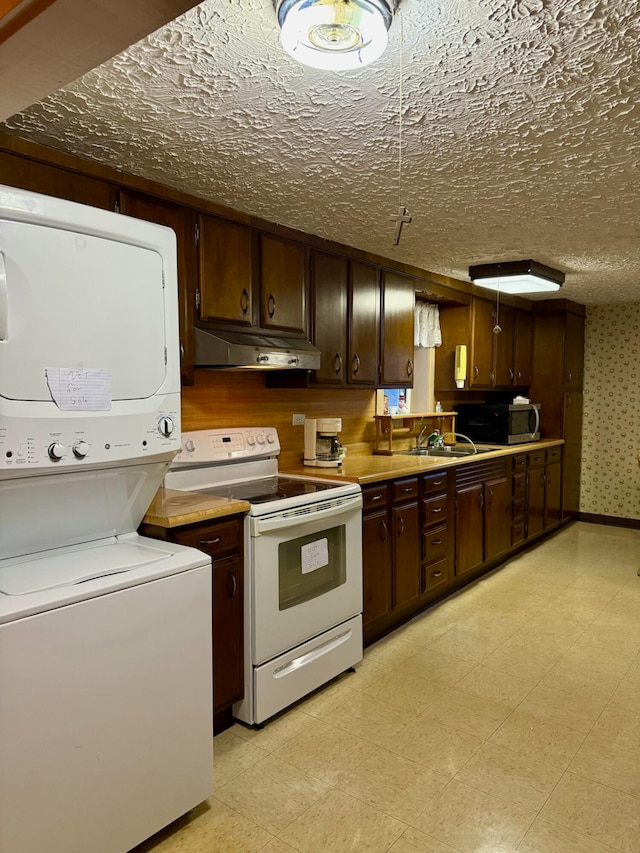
[241, 350]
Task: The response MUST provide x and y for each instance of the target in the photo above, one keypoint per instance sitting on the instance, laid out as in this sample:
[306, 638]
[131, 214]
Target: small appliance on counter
[321, 444]
[499, 423]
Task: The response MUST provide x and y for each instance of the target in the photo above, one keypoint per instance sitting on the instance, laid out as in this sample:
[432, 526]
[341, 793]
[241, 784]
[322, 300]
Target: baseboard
[593, 518]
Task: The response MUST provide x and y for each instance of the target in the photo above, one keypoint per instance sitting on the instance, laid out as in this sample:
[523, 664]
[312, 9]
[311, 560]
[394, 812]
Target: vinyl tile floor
[506, 718]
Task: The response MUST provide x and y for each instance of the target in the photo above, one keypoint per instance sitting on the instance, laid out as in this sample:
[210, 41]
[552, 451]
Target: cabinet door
[572, 425]
[469, 528]
[182, 221]
[522, 342]
[553, 497]
[574, 352]
[535, 501]
[396, 328]
[329, 316]
[376, 566]
[364, 311]
[482, 322]
[226, 271]
[227, 633]
[503, 346]
[283, 284]
[497, 500]
[406, 555]
[37, 177]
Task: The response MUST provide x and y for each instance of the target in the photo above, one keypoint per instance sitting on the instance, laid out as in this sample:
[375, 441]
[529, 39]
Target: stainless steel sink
[445, 452]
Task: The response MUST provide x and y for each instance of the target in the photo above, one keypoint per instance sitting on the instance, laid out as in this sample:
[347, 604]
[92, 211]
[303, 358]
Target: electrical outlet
[298, 420]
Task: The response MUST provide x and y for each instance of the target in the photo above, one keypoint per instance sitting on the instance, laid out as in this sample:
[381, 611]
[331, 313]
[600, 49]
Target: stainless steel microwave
[499, 423]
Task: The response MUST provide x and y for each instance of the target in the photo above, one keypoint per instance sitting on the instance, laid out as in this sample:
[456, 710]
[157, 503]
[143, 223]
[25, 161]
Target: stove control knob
[56, 451]
[251, 440]
[260, 438]
[189, 446]
[80, 449]
[270, 438]
[165, 427]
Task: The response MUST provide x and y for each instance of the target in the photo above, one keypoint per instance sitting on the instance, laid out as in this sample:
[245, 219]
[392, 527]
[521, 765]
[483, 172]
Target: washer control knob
[189, 446]
[56, 451]
[80, 449]
[260, 438]
[165, 427]
[251, 440]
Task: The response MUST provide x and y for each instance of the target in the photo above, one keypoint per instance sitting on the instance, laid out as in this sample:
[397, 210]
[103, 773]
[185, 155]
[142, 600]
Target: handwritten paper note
[315, 555]
[86, 389]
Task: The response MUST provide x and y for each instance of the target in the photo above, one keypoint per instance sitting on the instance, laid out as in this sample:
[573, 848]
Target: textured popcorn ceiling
[521, 131]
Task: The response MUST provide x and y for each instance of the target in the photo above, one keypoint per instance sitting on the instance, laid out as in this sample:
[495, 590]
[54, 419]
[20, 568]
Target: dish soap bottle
[438, 406]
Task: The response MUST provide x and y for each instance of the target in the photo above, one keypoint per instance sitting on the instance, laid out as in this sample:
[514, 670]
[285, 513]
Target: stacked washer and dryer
[105, 636]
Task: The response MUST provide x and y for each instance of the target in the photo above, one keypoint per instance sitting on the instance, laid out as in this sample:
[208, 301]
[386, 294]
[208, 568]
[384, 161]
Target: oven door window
[311, 566]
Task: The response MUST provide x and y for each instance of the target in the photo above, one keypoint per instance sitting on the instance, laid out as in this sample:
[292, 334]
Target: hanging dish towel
[427, 325]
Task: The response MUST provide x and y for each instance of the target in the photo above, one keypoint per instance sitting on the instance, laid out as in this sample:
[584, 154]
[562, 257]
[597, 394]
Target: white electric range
[303, 552]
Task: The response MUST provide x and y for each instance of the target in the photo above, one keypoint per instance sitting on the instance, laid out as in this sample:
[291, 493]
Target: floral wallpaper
[610, 480]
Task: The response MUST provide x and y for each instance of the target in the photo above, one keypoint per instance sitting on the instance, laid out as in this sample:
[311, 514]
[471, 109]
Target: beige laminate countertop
[172, 508]
[373, 469]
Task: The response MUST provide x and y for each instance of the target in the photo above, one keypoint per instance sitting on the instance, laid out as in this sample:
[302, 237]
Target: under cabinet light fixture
[335, 35]
[517, 277]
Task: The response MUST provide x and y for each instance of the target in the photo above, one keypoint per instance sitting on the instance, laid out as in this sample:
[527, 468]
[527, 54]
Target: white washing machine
[105, 636]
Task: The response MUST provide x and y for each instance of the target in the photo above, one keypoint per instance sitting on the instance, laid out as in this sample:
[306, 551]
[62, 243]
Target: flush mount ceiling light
[334, 35]
[517, 277]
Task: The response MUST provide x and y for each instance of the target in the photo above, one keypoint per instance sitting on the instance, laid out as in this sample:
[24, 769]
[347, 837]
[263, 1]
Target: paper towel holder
[460, 371]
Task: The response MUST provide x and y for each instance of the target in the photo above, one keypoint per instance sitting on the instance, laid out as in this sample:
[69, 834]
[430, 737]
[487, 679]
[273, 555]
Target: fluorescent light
[517, 277]
[335, 35]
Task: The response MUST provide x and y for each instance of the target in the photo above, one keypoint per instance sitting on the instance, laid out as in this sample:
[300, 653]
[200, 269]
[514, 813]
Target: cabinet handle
[244, 301]
[356, 363]
[436, 541]
[436, 511]
[569, 376]
[476, 370]
[374, 498]
[519, 374]
[568, 403]
[232, 585]
[383, 531]
[436, 574]
[409, 368]
[400, 526]
[511, 374]
[481, 496]
[490, 498]
[337, 361]
[271, 305]
[406, 489]
[204, 543]
[437, 482]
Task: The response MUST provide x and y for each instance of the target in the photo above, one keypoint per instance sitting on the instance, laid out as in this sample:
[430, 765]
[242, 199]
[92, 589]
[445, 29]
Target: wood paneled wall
[224, 398]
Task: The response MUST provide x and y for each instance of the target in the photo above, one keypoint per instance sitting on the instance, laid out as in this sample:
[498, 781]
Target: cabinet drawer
[435, 575]
[554, 454]
[404, 490]
[434, 544]
[519, 484]
[212, 538]
[434, 511]
[536, 458]
[433, 484]
[519, 463]
[517, 508]
[517, 533]
[375, 496]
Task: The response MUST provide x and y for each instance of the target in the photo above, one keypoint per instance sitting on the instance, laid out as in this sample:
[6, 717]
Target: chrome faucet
[420, 437]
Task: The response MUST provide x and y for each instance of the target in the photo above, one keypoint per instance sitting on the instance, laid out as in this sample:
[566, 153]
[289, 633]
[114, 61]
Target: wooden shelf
[388, 426]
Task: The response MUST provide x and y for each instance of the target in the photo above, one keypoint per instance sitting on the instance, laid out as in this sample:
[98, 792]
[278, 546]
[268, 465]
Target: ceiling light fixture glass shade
[335, 35]
[517, 277]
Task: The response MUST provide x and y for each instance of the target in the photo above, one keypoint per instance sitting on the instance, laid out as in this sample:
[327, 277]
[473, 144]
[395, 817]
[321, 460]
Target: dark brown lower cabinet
[483, 514]
[376, 560]
[544, 490]
[222, 540]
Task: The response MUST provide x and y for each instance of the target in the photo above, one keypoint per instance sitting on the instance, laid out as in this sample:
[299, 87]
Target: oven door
[306, 573]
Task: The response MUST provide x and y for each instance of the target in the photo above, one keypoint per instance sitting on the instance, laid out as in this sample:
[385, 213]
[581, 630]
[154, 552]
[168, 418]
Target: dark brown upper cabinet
[226, 279]
[396, 330]
[284, 285]
[344, 320]
[182, 221]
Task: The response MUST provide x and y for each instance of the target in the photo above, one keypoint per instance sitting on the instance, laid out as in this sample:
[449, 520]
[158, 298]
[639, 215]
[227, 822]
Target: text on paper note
[315, 555]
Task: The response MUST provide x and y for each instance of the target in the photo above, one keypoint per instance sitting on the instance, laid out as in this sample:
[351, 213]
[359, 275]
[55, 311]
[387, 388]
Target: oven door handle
[279, 522]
